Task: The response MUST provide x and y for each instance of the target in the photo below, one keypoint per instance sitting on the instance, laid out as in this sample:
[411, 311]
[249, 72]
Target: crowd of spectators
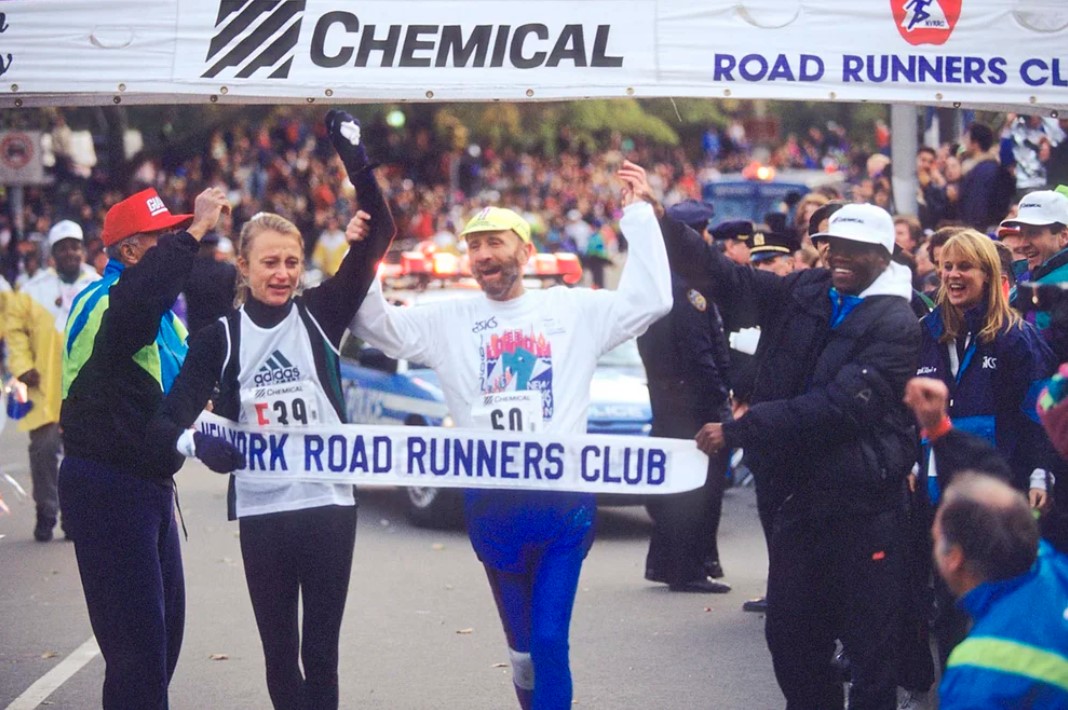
[284, 165]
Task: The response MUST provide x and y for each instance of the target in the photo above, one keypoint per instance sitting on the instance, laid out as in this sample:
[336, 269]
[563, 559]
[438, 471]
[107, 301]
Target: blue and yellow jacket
[1016, 655]
[123, 348]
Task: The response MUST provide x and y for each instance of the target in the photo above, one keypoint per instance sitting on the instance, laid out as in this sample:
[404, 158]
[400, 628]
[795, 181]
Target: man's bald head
[991, 526]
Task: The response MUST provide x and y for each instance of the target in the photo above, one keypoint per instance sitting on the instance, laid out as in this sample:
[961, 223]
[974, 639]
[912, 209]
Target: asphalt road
[420, 630]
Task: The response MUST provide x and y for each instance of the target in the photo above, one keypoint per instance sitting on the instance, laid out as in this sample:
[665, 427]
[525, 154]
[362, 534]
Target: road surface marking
[47, 684]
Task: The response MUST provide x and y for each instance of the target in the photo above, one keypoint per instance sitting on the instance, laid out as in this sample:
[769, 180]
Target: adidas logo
[277, 369]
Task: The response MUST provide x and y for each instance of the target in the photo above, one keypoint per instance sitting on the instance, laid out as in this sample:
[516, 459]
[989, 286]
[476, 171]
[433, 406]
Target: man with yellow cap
[537, 349]
[123, 349]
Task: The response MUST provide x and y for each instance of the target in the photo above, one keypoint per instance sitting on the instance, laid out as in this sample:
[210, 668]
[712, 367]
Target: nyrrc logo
[926, 21]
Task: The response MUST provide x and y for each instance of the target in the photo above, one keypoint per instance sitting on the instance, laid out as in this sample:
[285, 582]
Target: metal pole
[903, 146]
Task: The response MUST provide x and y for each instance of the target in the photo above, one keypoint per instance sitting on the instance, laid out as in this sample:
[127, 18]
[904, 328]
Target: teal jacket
[1016, 655]
[123, 349]
[1054, 271]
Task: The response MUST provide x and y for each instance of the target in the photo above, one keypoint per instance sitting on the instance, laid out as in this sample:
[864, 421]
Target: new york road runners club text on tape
[463, 458]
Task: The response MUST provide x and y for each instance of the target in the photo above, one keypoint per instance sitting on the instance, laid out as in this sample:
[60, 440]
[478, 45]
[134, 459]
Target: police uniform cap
[739, 230]
[764, 245]
[693, 213]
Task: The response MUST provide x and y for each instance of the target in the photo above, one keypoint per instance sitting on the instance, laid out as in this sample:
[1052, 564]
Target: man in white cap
[827, 425]
[1042, 219]
[36, 317]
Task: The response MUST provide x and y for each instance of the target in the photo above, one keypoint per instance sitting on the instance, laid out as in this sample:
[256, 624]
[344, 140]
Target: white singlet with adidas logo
[280, 387]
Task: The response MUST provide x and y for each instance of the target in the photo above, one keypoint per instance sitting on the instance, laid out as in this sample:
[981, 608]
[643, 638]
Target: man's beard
[506, 278]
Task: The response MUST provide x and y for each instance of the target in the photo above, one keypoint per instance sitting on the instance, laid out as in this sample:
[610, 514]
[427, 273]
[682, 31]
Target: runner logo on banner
[926, 21]
[436, 457]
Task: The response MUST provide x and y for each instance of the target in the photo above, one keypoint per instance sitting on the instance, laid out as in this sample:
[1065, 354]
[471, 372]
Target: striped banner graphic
[254, 35]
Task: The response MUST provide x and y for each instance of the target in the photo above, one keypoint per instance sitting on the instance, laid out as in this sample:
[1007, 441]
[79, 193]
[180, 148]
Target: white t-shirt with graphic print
[546, 341]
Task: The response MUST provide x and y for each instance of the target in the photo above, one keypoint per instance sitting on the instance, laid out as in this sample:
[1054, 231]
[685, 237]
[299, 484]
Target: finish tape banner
[463, 458]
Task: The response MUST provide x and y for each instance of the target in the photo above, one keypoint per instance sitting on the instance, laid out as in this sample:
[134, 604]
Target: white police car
[381, 390]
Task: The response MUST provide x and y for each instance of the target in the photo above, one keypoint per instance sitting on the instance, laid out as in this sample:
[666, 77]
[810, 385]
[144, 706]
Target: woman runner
[275, 361]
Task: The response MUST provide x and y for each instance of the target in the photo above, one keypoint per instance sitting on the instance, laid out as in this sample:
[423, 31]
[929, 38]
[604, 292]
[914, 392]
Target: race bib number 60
[509, 411]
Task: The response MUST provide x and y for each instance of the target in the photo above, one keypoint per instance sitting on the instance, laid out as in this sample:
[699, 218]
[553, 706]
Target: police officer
[739, 317]
[740, 323]
[731, 238]
[772, 251]
[686, 361]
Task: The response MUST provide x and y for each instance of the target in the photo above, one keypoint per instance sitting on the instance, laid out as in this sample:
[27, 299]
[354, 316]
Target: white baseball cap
[64, 229]
[866, 224]
[1040, 208]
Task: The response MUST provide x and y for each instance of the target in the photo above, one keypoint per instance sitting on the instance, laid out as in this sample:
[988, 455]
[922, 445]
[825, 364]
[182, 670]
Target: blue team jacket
[1016, 655]
[994, 392]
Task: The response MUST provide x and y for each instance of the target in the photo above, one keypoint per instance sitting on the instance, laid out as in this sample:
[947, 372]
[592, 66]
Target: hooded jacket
[826, 420]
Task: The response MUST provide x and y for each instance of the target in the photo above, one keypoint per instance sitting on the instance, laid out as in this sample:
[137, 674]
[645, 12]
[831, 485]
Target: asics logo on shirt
[277, 369]
[483, 325]
[990, 362]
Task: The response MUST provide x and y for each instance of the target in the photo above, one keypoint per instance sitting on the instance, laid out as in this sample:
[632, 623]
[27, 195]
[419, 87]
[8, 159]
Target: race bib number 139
[289, 404]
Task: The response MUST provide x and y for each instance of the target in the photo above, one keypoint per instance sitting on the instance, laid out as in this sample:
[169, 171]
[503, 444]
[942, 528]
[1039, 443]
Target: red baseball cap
[138, 214]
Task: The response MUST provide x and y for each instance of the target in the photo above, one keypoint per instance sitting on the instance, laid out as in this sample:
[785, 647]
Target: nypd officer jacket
[123, 349]
[686, 363]
[826, 420]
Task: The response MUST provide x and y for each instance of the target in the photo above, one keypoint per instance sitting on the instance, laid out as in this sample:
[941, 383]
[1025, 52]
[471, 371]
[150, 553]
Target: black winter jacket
[826, 421]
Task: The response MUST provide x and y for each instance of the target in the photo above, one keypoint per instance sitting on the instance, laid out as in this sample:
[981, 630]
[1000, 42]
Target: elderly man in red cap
[123, 349]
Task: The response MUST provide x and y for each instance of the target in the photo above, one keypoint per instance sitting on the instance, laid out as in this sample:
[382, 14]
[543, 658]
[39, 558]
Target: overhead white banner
[463, 458]
[974, 52]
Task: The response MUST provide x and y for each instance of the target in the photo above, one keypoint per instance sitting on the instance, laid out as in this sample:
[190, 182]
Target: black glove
[217, 453]
[345, 136]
